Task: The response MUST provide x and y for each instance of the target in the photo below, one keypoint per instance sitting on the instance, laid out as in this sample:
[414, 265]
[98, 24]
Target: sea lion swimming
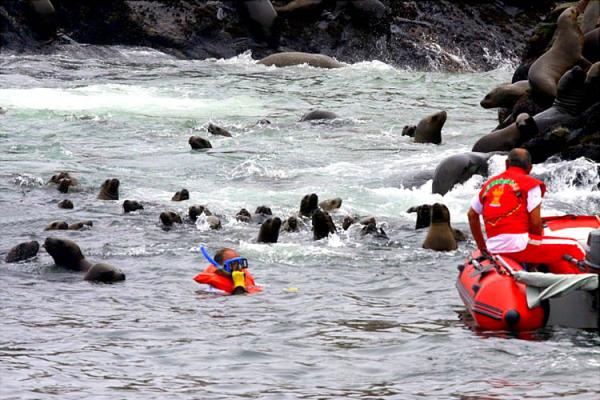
[322, 224]
[440, 236]
[429, 129]
[195, 211]
[331, 204]
[424, 220]
[289, 59]
[104, 273]
[290, 224]
[213, 222]
[269, 231]
[520, 131]
[243, 216]
[318, 115]
[109, 190]
[565, 52]
[67, 254]
[309, 204]
[168, 218]
[131, 205]
[457, 169]
[199, 143]
[57, 225]
[80, 225]
[64, 180]
[217, 130]
[182, 195]
[505, 95]
[66, 204]
[22, 251]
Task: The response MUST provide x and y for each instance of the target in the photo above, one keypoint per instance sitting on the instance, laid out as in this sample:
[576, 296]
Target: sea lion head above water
[109, 190]
[67, 254]
[429, 129]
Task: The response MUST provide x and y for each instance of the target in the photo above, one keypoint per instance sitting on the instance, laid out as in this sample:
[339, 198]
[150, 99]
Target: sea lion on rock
[331, 204]
[570, 99]
[520, 131]
[217, 130]
[199, 143]
[372, 9]
[168, 218]
[57, 225]
[109, 190]
[131, 205]
[298, 5]
[592, 85]
[67, 254]
[322, 224]
[261, 12]
[458, 169]
[182, 195]
[309, 204]
[297, 58]
[505, 95]
[269, 231]
[22, 251]
[591, 46]
[290, 224]
[104, 273]
[66, 204]
[42, 18]
[80, 225]
[440, 236]
[429, 129]
[591, 17]
[565, 52]
[243, 216]
[318, 115]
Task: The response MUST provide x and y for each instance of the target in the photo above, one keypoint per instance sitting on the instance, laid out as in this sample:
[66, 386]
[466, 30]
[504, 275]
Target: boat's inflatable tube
[210, 277]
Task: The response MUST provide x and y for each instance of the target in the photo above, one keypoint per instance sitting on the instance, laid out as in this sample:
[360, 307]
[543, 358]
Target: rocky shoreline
[460, 35]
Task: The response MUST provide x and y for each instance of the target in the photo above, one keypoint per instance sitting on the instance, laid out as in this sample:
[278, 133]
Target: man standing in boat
[510, 204]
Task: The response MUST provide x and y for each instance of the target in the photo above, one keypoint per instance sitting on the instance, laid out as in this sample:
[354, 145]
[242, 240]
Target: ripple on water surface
[342, 317]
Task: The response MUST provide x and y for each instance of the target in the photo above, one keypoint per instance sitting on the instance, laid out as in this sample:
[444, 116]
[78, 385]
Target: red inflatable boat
[500, 295]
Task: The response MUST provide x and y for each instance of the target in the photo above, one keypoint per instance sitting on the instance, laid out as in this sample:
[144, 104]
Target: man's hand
[536, 226]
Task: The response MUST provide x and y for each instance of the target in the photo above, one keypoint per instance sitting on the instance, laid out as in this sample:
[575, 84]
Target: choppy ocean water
[370, 318]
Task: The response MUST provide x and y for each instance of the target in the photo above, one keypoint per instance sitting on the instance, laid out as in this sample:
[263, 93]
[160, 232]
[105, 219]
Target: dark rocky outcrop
[426, 34]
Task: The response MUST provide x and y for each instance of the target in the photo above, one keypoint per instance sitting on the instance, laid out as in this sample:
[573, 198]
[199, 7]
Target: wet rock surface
[430, 35]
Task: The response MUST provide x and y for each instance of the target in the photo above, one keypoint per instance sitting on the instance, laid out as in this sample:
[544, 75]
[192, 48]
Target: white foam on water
[125, 99]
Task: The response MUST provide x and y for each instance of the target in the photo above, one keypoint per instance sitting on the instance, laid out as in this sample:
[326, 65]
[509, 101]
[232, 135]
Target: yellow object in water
[291, 290]
[239, 280]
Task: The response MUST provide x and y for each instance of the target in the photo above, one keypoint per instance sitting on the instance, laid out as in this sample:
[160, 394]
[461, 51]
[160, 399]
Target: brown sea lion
[591, 46]
[331, 204]
[322, 224]
[508, 138]
[56, 178]
[66, 204]
[592, 85]
[347, 222]
[67, 254]
[458, 168]
[309, 204]
[217, 130]
[243, 216]
[80, 225]
[409, 130]
[261, 12]
[297, 58]
[318, 115]
[131, 205]
[199, 143]
[182, 195]
[57, 225]
[168, 218]
[290, 224]
[440, 236]
[591, 17]
[104, 273]
[213, 222]
[566, 51]
[269, 231]
[429, 129]
[109, 190]
[505, 95]
[22, 251]
[195, 211]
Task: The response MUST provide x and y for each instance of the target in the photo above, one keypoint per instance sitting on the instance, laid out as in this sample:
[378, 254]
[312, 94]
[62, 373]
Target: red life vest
[504, 200]
[210, 277]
